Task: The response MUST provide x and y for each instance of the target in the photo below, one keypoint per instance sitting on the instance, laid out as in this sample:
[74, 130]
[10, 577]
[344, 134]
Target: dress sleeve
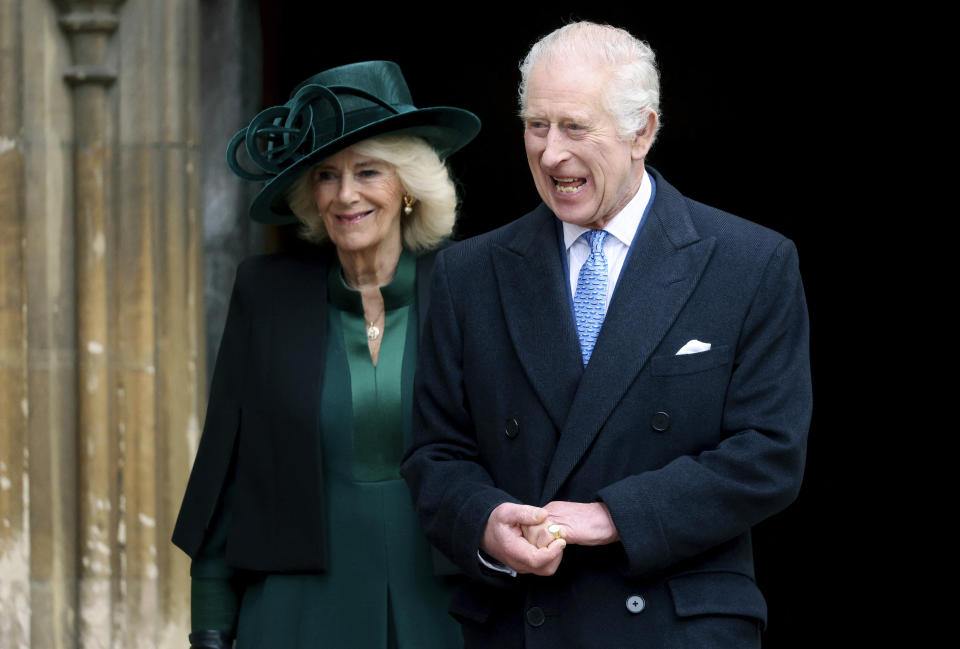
[216, 588]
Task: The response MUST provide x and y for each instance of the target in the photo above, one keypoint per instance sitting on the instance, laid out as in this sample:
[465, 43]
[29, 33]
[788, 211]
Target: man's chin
[572, 216]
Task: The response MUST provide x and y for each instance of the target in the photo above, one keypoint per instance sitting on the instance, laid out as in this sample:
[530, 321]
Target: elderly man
[613, 389]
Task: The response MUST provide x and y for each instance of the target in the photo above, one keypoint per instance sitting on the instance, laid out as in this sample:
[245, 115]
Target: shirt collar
[624, 225]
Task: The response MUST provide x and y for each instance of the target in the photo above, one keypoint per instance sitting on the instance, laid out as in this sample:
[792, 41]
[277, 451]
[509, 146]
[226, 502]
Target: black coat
[688, 452]
[263, 417]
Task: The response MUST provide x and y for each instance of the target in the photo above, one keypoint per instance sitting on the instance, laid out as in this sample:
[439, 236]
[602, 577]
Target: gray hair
[423, 176]
[633, 90]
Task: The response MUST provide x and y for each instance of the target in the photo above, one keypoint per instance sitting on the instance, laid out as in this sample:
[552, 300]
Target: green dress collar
[398, 293]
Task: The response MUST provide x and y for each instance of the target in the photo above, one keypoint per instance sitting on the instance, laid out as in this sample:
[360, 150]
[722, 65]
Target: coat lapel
[665, 267]
[529, 273]
[424, 272]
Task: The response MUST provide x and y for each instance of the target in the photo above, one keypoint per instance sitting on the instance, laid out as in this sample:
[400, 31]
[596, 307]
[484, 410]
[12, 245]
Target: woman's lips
[354, 217]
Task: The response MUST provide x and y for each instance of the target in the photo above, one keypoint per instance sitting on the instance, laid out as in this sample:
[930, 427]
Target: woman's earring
[408, 202]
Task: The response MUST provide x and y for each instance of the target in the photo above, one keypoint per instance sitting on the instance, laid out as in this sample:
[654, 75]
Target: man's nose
[555, 152]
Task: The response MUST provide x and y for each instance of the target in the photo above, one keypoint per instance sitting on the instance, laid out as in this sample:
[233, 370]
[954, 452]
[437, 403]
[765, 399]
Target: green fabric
[380, 591]
[445, 128]
[213, 605]
[377, 411]
[214, 593]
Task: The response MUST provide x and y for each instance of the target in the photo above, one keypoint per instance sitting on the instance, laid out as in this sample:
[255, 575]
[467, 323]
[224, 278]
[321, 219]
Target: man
[599, 488]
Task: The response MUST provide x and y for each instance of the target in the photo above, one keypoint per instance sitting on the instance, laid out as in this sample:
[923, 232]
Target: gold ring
[556, 530]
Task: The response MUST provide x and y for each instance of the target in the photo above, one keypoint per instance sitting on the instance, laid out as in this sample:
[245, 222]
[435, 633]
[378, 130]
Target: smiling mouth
[568, 185]
[353, 218]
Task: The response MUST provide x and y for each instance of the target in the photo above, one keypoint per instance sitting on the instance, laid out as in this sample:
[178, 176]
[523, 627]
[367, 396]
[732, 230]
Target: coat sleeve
[453, 493]
[694, 503]
[216, 448]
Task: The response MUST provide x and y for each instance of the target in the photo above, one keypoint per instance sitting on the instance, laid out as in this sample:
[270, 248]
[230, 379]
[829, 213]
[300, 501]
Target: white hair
[632, 92]
[423, 176]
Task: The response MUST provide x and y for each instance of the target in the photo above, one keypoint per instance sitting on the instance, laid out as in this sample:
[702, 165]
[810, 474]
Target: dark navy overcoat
[688, 452]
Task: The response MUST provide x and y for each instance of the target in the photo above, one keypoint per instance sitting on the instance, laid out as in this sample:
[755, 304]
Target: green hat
[329, 112]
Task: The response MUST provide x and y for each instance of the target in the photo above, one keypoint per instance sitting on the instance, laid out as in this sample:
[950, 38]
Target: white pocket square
[693, 347]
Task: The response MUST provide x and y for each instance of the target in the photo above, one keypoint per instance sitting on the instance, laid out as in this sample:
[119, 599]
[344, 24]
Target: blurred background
[121, 228]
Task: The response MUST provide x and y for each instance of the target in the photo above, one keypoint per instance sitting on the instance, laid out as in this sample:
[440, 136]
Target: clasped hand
[520, 536]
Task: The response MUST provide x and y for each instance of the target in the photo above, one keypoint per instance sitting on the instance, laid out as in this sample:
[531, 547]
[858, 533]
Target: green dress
[380, 590]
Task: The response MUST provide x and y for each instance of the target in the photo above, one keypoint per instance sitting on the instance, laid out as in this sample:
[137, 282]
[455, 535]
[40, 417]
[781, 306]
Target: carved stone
[101, 318]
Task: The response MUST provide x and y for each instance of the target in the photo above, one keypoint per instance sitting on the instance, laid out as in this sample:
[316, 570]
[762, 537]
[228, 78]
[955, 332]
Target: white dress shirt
[621, 229]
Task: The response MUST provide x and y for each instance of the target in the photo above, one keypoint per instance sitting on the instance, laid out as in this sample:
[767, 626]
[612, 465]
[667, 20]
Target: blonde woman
[301, 531]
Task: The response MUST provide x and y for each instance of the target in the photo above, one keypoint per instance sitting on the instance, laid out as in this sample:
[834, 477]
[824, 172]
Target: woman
[302, 533]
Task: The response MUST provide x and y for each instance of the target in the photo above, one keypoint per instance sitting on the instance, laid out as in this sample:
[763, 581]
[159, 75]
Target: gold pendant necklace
[373, 331]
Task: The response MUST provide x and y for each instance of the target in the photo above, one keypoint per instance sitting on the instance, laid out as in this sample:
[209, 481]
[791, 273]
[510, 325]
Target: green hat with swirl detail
[329, 112]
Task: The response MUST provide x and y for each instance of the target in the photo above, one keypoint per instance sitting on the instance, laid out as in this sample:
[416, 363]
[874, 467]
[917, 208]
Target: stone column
[101, 332]
[37, 334]
[89, 25]
[154, 329]
[159, 310]
[14, 454]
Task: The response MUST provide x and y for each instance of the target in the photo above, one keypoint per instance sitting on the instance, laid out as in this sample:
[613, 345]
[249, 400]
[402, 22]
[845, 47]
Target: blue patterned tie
[590, 301]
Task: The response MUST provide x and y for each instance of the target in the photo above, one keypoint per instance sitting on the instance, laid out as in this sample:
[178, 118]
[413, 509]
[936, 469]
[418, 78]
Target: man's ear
[644, 138]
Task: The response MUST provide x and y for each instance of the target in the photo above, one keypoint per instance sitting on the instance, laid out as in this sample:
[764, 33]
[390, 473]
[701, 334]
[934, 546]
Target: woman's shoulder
[266, 269]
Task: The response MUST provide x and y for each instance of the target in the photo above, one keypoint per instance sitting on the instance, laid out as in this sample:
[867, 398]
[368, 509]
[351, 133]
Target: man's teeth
[568, 188]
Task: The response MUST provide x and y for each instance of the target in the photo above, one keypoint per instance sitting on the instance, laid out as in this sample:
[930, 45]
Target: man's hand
[504, 541]
[540, 535]
[578, 523]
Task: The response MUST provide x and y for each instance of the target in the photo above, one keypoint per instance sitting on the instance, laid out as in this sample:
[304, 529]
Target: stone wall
[102, 356]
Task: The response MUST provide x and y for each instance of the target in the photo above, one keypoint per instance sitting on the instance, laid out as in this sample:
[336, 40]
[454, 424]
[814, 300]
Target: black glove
[210, 640]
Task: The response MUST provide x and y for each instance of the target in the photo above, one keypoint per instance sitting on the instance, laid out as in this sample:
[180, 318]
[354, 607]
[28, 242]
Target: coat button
[512, 428]
[660, 421]
[635, 604]
[535, 616]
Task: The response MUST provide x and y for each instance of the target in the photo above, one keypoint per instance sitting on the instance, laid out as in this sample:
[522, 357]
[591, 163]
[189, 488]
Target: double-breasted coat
[688, 452]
